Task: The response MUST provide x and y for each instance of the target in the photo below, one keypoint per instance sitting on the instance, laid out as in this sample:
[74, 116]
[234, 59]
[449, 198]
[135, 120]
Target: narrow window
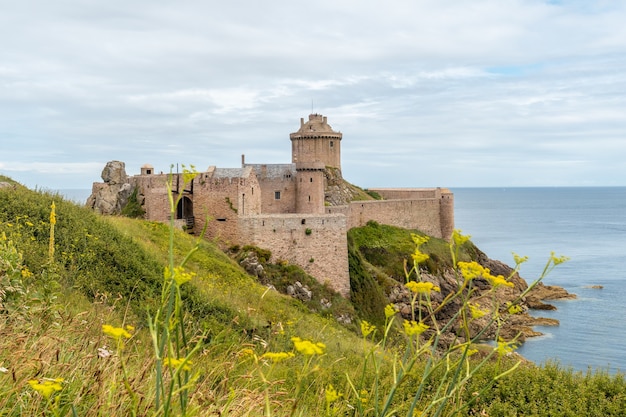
[332, 143]
[276, 195]
[309, 198]
[311, 179]
[303, 221]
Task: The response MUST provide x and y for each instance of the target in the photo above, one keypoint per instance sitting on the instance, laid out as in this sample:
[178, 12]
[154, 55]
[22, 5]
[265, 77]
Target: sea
[586, 224]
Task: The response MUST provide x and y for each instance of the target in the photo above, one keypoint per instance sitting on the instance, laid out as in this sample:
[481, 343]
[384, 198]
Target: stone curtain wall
[407, 193]
[220, 201]
[153, 190]
[287, 189]
[430, 210]
[322, 252]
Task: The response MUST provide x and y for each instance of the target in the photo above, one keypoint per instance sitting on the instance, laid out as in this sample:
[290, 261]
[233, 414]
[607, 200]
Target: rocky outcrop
[252, 265]
[519, 325]
[299, 291]
[339, 192]
[111, 196]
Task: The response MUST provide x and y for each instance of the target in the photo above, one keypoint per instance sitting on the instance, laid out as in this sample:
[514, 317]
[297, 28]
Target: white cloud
[465, 88]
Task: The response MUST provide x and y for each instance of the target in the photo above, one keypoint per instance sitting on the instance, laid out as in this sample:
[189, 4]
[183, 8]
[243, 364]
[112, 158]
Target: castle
[301, 211]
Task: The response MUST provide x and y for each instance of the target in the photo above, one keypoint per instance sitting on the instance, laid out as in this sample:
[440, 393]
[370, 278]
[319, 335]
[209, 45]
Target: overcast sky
[426, 92]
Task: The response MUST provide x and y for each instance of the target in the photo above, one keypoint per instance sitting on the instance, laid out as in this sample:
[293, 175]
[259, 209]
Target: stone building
[287, 208]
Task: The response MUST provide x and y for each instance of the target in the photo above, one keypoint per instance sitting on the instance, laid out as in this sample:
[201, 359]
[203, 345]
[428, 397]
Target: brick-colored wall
[310, 191]
[287, 189]
[423, 215]
[406, 193]
[323, 253]
[323, 148]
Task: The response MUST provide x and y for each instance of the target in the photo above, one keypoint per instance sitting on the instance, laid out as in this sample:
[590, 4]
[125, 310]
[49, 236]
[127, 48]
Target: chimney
[243, 160]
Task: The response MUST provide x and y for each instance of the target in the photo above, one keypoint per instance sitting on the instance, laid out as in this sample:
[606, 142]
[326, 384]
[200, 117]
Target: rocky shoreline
[517, 327]
[535, 300]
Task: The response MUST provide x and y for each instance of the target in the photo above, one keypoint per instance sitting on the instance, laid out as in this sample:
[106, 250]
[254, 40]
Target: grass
[110, 271]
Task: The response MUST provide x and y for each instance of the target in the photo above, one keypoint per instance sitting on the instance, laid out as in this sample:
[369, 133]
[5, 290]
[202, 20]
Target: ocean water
[586, 224]
[77, 195]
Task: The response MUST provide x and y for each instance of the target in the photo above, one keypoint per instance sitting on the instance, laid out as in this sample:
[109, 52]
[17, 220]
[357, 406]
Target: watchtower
[316, 141]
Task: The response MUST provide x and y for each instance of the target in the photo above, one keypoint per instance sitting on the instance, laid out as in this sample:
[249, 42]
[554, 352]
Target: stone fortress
[301, 211]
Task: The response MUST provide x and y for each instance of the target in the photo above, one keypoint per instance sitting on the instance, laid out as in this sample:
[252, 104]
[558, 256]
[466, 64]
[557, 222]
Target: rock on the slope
[299, 291]
[112, 195]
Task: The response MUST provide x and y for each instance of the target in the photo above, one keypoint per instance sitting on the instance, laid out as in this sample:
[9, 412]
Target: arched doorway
[184, 211]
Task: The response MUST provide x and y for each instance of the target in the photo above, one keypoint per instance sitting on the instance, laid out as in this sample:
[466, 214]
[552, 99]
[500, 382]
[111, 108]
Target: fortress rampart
[318, 244]
[285, 208]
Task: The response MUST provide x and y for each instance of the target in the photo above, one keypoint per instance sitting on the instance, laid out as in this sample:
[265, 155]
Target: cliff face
[339, 192]
[382, 252]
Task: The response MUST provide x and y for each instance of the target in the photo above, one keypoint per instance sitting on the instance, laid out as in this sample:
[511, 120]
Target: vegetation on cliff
[80, 294]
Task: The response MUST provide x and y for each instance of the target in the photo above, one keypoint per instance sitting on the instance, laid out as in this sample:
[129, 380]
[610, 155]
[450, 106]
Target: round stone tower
[316, 142]
[310, 187]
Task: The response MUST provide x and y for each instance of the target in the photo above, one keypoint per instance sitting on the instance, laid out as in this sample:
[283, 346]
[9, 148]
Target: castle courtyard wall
[407, 193]
[316, 243]
[421, 214]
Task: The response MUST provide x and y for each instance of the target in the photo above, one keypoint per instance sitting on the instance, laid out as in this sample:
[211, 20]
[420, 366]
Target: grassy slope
[109, 271]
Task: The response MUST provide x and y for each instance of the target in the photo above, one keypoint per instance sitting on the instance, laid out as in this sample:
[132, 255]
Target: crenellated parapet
[316, 141]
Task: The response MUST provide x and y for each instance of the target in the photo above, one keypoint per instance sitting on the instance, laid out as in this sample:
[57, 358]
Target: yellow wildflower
[519, 259]
[390, 310]
[364, 396]
[53, 215]
[189, 173]
[367, 328]
[497, 281]
[115, 332]
[246, 352]
[419, 240]
[412, 327]
[514, 308]
[26, 272]
[424, 287]
[179, 275]
[332, 394]
[176, 363]
[46, 387]
[458, 238]
[418, 256]
[476, 311]
[307, 347]
[278, 356]
[471, 270]
[505, 347]
[557, 260]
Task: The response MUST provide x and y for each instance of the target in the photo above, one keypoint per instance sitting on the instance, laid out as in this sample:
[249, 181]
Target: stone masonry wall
[406, 193]
[318, 244]
[287, 189]
[423, 214]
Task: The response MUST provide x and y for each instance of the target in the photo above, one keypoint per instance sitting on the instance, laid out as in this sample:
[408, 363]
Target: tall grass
[193, 335]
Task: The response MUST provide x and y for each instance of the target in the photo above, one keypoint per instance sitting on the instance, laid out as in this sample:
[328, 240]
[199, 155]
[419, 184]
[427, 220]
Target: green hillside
[232, 346]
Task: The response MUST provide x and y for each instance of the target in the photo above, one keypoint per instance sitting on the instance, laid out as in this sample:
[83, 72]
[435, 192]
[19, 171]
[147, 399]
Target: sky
[427, 93]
